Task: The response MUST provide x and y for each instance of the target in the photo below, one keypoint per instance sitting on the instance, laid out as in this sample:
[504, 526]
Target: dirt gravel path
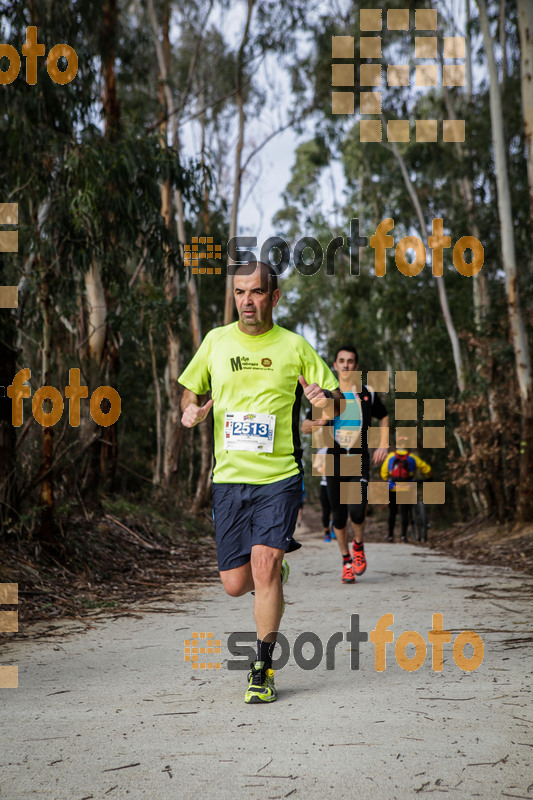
[116, 712]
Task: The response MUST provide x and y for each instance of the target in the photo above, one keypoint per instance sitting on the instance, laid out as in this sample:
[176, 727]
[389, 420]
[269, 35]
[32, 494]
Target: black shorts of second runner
[247, 514]
[340, 511]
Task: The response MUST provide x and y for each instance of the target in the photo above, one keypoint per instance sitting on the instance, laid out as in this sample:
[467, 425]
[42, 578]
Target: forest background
[159, 139]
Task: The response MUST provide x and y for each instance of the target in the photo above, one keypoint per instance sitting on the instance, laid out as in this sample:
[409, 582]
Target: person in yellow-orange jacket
[399, 470]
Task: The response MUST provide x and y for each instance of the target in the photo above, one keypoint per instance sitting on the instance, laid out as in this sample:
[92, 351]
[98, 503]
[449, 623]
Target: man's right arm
[187, 398]
[192, 412]
[196, 374]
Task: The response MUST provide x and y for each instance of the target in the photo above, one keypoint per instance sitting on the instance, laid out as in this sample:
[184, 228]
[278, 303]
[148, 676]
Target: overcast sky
[270, 171]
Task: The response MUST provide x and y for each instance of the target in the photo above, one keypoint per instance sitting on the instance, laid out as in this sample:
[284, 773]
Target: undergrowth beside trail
[130, 550]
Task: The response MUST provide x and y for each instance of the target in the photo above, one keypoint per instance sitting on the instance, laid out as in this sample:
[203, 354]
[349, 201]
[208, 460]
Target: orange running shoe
[359, 560]
[347, 573]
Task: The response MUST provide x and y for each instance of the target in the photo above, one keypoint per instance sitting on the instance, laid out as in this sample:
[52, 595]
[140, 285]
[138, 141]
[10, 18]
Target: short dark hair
[251, 267]
[349, 349]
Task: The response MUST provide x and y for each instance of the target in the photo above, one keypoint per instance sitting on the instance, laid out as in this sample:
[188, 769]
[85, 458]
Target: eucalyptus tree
[89, 219]
[38, 122]
[525, 17]
[518, 331]
[412, 182]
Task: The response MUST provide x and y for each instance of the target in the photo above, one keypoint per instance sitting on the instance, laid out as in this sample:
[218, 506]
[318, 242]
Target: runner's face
[345, 366]
[254, 303]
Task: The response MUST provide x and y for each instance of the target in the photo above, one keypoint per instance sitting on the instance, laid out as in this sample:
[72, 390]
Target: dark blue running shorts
[246, 514]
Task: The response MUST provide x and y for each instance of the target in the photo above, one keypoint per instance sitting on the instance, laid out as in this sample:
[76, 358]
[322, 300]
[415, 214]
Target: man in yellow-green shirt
[256, 372]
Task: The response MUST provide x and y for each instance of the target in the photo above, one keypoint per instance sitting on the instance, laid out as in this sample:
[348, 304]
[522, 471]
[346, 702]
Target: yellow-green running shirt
[259, 375]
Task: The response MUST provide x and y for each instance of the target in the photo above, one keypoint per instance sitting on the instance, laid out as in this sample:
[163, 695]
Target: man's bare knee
[233, 589]
[237, 581]
[266, 565]
[232, 586]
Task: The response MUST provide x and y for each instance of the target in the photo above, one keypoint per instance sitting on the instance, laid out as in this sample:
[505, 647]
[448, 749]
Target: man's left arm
[381, 452]
[380, 412]
[324, 387]
[321, 398]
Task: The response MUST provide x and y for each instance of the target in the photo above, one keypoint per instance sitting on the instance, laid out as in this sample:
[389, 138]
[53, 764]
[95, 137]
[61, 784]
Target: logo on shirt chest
[246, 363]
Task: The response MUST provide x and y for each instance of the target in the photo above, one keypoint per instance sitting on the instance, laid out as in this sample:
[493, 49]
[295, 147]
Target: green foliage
[396, 322]
[86, 198]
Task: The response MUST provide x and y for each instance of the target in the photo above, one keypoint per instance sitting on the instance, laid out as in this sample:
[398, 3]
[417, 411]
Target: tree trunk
[173, 437]
[525, 26]
[107, 50]
[203, 484]
[93, 353]
[46, 494]
[96, 315]
[8, 368]
[178, 197]
[156, 480]
[468, 52]
[443, 299]
[480, 287]
[473, 507]
[237, 179]
[516, 321]
[173, 434]
[102, 355]
[503, 41]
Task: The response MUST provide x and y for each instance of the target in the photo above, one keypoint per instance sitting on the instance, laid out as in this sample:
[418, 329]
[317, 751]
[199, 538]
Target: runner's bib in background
[348, 437]
[347, 426]
[244, 430]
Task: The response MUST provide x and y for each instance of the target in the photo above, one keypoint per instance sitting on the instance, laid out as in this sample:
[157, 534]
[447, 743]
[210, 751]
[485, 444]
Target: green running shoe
[261, 688]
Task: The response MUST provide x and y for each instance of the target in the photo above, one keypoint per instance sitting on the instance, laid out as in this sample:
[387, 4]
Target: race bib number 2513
[248, 431]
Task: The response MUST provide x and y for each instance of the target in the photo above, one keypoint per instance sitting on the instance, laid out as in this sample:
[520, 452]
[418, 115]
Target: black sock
[347, 559]
[264, 652]
[357, 545]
